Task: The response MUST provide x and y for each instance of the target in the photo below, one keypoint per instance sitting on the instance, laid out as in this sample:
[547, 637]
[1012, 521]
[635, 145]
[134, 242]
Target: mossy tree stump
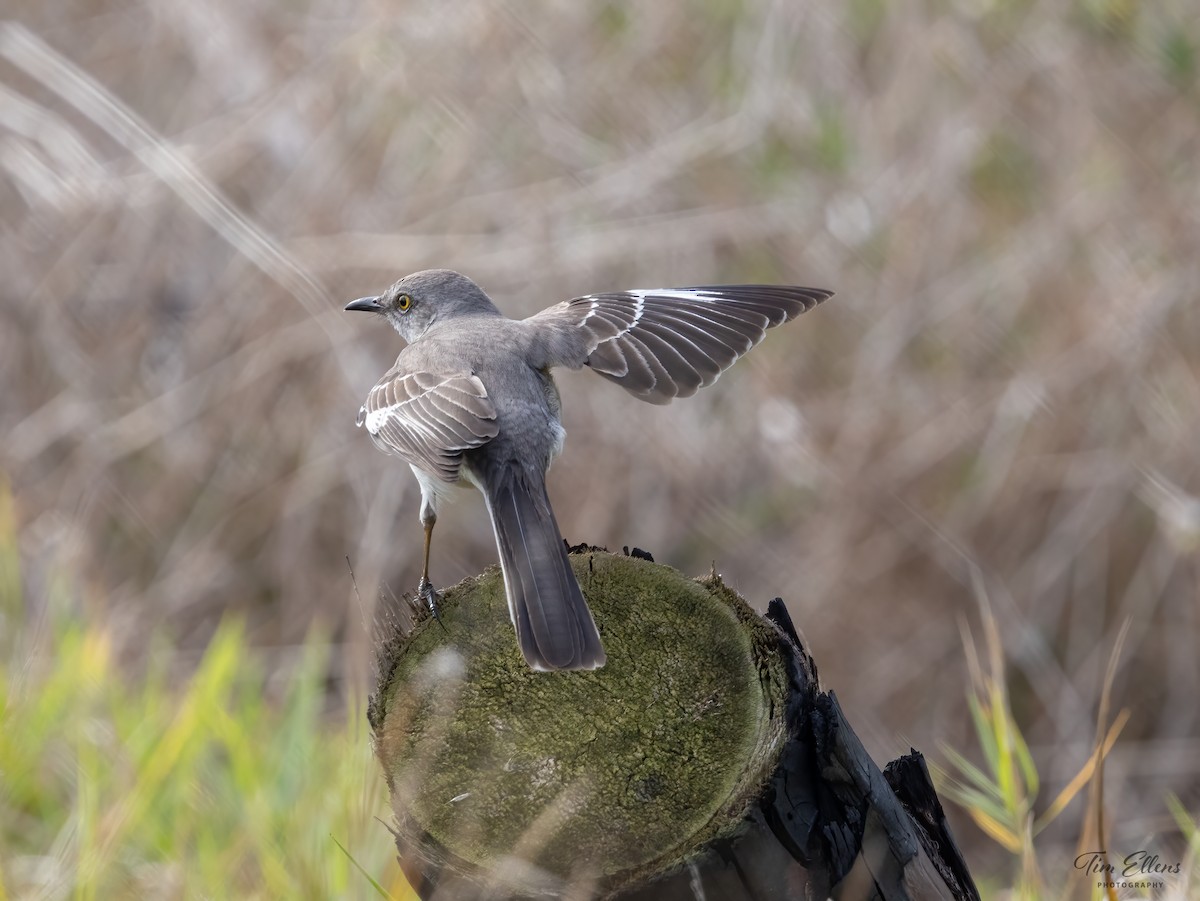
[701, 757]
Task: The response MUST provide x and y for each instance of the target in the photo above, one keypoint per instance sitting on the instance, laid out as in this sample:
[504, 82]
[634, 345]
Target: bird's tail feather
[555, 629]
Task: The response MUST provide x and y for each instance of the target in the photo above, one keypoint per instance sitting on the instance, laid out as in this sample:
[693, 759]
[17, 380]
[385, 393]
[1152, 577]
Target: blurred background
[999, 405]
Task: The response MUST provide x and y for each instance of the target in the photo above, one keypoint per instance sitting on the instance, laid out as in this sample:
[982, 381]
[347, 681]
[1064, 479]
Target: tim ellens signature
[1139, 863]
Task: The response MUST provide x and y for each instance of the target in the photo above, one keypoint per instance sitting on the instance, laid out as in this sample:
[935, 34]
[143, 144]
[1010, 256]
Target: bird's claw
[427, 593]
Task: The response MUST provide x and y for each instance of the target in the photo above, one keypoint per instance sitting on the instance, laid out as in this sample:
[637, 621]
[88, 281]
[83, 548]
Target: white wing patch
[374, 420]
[671, 293]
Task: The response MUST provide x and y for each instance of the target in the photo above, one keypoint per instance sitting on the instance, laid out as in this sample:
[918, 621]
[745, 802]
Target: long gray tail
[554, 626]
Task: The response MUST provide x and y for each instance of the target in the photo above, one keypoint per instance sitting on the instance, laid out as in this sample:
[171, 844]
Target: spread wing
[429, 418]
[665, 343]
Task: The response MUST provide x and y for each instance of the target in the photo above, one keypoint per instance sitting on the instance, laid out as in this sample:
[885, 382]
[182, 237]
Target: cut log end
[511, 778]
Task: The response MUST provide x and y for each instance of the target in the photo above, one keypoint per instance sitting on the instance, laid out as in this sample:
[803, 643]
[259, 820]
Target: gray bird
[471, 397]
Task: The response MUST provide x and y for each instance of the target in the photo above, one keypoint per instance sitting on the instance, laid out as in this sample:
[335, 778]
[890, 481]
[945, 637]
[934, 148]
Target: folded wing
[429, 419]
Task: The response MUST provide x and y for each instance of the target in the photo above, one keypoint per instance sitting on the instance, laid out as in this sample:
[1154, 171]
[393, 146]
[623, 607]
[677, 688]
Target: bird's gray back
[496, 350]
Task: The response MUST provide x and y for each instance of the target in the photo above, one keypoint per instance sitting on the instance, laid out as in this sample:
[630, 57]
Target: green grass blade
[379, 889]
[977, 777]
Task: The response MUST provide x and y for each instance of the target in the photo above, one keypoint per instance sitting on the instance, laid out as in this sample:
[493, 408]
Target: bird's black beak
[366, 304]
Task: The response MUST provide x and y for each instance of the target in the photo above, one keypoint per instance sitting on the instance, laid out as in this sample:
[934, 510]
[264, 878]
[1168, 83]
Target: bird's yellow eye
[403, 302]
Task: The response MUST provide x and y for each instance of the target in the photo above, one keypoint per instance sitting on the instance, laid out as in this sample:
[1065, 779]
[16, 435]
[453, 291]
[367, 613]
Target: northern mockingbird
[471, 397]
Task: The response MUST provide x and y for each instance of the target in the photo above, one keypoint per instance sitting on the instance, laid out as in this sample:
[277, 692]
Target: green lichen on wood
[627, 769]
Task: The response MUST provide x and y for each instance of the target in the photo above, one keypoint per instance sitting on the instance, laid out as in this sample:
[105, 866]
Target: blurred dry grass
[1004, 195]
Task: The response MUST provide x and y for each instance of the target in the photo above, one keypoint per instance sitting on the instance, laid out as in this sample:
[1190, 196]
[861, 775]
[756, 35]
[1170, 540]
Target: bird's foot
[427, 593]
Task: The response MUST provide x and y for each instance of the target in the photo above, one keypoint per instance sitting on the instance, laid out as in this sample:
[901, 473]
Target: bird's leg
[425, 590]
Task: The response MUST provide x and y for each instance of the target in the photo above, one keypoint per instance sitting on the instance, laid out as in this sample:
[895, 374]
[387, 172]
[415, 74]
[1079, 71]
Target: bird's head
[417, 301]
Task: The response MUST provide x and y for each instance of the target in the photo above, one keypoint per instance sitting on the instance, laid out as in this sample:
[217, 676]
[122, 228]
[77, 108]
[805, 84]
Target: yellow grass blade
[996, 830]
[1081, 779]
